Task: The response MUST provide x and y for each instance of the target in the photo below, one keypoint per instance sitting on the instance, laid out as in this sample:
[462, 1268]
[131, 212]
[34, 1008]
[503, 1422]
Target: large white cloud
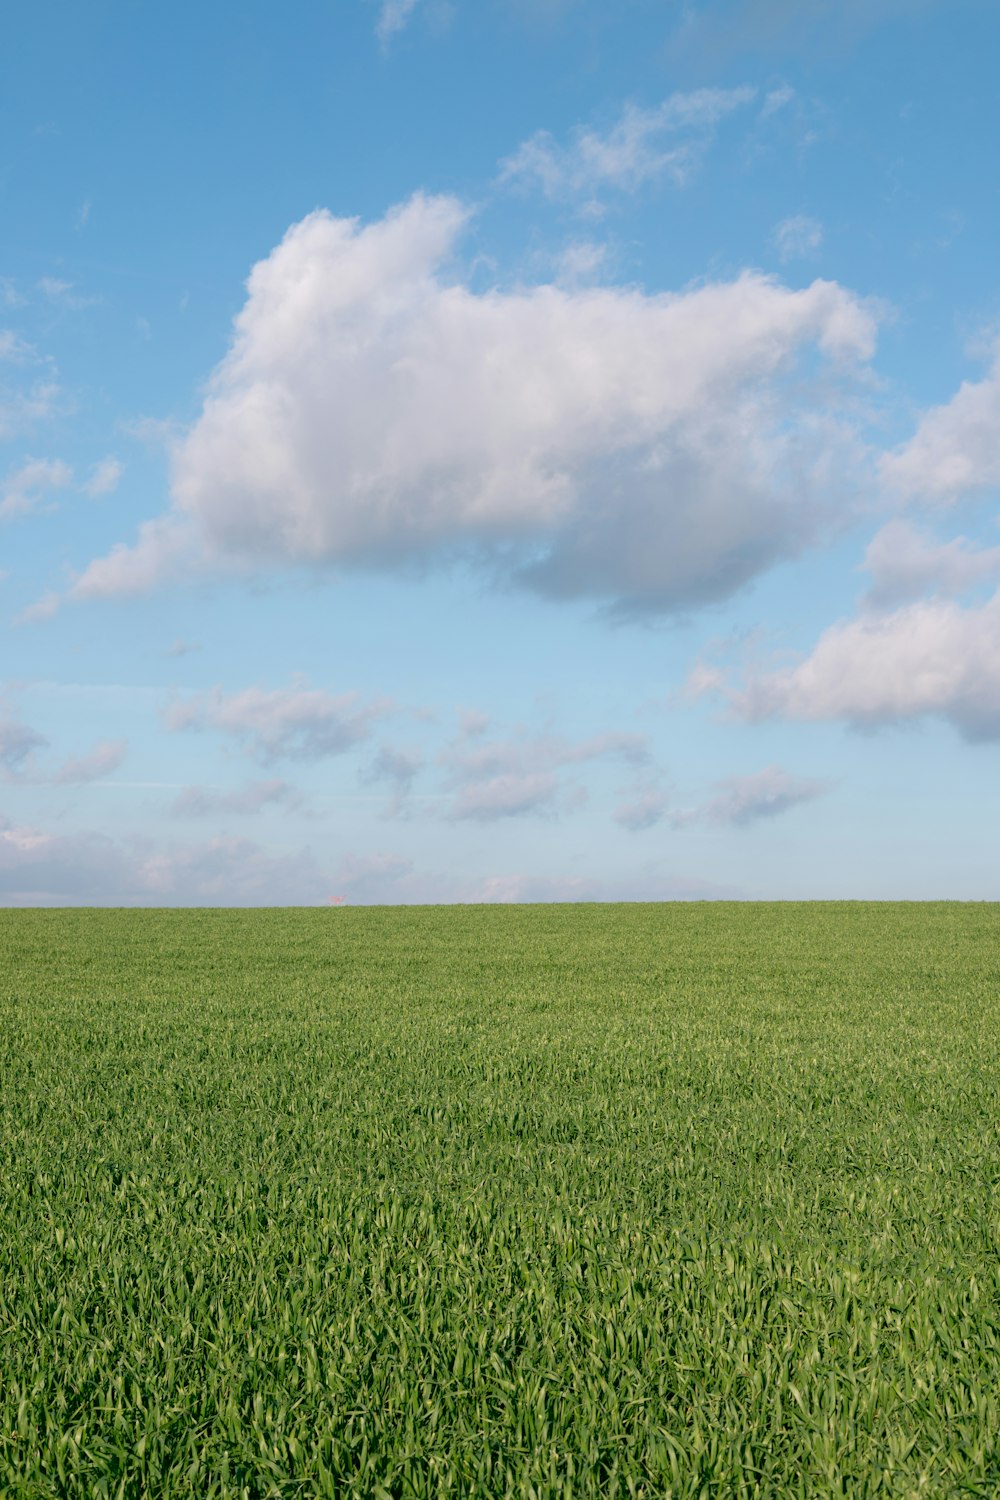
[655, 451]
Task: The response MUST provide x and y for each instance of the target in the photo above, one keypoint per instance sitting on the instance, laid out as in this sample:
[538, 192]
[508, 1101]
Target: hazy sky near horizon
[511, 450]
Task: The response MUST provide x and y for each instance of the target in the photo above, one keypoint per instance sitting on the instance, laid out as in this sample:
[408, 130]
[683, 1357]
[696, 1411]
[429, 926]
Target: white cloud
[646, 885]
[17, 741]
[101, 761]
[580, 262]
[27, 401]
[397, 767]
[62, 293]
[742, 800]
[393, 16]
[667, 140]
[508, 778]
[652, 451]
[13, 349]
[374, 878]
[929, 659]
[104, 477]
[955, 450]
[19, 409]
[645, 809]
[776, 99]
[207, 802]
[798, 237]
[506, 795]
[906, 563]
[473, 723]
[718, 29]
[164, 549]
[25, 487]
[39, 868]
[42, 609]
[486, 759]
[738, 801]
[295, 723]
[392, 879]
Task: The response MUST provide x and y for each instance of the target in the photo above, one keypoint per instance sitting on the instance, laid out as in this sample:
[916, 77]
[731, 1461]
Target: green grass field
[695, 1200]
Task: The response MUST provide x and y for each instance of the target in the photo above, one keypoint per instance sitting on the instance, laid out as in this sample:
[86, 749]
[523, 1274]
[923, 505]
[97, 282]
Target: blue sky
[522, 450]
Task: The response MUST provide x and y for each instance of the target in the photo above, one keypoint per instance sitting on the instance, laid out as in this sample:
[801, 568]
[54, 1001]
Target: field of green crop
[661, 1201]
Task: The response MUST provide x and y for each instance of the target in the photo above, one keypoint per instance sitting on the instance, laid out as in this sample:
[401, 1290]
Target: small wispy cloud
[19, 762]
[495, 779]
[776, 99]
[798, 237]
[580, 263]
[21, 409]
[17, 742]
[104, 477]
[643, 144]
[14, 349]
[393, 17]
[53, 287]
[101, 761]
[396, 767]
[742, 800]
[247, 801]
[298, 723]
[473, 723]
[25, 487]
[63, 294]
[645, 808]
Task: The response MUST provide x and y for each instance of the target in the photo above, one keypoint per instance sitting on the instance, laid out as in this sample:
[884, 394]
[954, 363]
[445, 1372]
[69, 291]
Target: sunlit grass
[552, 1201]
